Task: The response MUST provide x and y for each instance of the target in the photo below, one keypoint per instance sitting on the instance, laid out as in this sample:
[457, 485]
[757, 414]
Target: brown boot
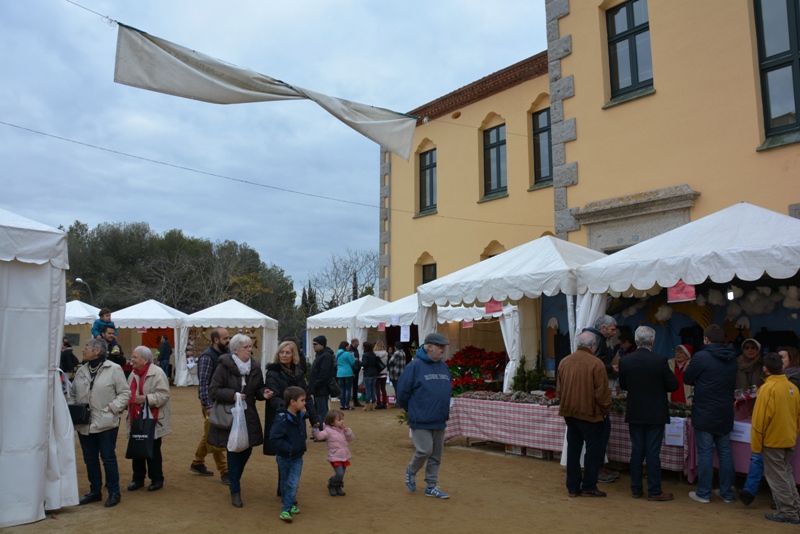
[371, 406]
[366, 407]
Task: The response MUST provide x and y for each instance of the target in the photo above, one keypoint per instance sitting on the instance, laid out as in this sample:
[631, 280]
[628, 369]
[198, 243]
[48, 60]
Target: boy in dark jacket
[424, 393]
[288, 439]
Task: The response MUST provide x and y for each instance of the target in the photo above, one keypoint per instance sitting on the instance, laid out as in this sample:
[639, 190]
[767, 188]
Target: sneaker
[286, 516]
[780, 518]
[745, 497]
[608, 472]
[605, 478]
[201, 470]
[695, 497]
[718, 493]
[225, 479]
[436, 492]
[295, 510]
[411, 481]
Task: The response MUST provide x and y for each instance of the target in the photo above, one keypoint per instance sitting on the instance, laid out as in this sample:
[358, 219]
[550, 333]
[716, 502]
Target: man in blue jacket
[713, 375]
[424, 391]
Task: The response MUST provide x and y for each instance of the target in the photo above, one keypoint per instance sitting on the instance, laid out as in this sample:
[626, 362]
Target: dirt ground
[490, 491]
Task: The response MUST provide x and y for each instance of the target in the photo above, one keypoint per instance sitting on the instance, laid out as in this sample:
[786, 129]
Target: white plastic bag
[238, 440]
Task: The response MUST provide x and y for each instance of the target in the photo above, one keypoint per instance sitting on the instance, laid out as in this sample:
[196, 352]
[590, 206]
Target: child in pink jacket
[338, 435]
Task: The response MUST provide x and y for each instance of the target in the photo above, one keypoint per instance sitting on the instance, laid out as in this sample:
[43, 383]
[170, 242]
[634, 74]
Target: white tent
[149, 314]
[230, 314]
[404, 312]
[742, 241]
[78, 312]
[545, 266]
[37, 451]
[343, 316]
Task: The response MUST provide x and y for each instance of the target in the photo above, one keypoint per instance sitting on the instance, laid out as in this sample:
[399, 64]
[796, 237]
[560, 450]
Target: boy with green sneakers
[288, 438]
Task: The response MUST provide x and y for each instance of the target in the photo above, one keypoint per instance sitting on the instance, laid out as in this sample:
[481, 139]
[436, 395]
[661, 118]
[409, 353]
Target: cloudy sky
[57, 64]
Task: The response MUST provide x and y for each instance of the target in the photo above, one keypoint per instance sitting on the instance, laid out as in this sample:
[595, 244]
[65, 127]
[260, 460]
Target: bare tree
[346, 277]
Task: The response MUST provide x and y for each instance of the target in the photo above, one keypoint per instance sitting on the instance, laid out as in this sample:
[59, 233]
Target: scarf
[792, 372]
[244, 368]
[135, 409]
[679, 395]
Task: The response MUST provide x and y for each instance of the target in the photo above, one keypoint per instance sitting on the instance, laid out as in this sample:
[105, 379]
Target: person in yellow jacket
[775, 423]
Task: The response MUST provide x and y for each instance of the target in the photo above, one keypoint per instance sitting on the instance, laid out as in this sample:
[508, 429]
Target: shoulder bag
[80, 414]
[143, 435]
[221, 415]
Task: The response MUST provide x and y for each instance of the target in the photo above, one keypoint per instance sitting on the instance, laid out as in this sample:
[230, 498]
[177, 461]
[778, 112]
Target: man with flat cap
[424, 391]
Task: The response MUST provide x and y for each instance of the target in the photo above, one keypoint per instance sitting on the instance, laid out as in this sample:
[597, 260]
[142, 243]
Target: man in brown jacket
[582, 386]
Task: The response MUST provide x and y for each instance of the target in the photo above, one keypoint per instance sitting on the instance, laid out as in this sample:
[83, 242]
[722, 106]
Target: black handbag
[333, 387]
[80, 414]
[143, 434]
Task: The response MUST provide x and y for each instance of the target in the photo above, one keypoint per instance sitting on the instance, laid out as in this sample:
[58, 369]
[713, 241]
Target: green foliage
[527, 379]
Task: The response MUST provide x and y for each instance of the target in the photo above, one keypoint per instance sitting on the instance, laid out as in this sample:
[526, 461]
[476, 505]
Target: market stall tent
[330, 322]
[37, 450]
[232, 315]
[545, 266]
[147, 314]
[742, 241]
[78, 320]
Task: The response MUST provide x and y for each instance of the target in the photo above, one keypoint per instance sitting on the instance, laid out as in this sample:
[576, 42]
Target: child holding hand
[337, 435]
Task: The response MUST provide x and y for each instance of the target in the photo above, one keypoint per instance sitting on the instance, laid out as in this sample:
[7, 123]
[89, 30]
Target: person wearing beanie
[677, 365]
[751, 368]
[322, 370]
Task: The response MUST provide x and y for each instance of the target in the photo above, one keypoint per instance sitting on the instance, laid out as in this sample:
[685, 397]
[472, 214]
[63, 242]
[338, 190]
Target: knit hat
[321, 340]
[758, 345]
[687, 349]
[436, 339]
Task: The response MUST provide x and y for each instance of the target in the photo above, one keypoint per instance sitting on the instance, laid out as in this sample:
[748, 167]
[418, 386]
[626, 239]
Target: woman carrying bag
[149, 390]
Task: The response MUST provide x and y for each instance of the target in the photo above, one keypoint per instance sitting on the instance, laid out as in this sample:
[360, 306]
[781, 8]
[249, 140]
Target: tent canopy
[148, 314]
[78, 312]
[28, 241]
[543, 266]
[743, 241]
[344, 316]
[404, 311]
[231, 313]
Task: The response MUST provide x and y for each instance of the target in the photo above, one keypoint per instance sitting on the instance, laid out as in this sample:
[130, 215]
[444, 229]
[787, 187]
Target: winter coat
[582, 387]
[369, 362]
[345, 362]
[424, 392]
[288, 435]
[156, 387]
[277, 380]
[776, 415]
[110, 392]
[322, 370]
[164, 351]
[646, 377]
[713, 375]
[602, 351]
[337, 439]
[225, 383]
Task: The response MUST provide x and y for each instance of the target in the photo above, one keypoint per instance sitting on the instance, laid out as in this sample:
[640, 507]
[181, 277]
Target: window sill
[425, 213]
[493, 196]
[541, 185]
[776, 141]
[633, 95]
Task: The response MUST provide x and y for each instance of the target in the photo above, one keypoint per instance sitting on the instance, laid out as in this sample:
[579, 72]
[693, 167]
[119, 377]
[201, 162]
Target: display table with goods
[531, 421]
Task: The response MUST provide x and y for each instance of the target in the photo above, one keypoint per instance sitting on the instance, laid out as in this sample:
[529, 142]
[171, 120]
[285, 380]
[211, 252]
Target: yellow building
[660, 112]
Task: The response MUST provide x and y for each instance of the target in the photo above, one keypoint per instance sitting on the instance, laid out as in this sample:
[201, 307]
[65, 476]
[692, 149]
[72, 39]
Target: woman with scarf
[791, 364]
[678, 365]
[148, 383]
[238, 373]
[751, 369]
[101, 384]
[285, 371]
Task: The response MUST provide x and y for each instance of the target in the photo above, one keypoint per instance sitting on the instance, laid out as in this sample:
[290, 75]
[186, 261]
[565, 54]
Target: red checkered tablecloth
[540, 427]
[524, 425]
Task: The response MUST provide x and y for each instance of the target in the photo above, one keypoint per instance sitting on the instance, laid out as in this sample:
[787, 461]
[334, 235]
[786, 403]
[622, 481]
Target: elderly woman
[238, 373]
[678, 365]
[751, 369]
[101, 384]
[148, 383]
[285, 371]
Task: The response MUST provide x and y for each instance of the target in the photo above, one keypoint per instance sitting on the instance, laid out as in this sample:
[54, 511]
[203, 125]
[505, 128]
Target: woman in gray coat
[238, 372]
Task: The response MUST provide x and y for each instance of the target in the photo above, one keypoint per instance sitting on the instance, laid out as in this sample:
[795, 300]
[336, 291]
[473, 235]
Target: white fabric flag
[148, 62]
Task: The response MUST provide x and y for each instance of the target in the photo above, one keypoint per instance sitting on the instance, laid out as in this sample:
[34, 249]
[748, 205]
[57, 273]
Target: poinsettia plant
[471, 367]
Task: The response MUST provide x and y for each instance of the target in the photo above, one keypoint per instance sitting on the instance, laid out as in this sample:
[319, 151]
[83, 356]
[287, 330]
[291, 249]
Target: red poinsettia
[472, 366]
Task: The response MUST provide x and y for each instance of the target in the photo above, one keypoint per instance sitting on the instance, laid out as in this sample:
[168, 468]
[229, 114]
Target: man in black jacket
[356, 369]
[322, 370]
[647, 379]
[713, 375]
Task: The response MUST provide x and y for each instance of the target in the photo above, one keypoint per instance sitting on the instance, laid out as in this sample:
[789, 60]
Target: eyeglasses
[246, 347]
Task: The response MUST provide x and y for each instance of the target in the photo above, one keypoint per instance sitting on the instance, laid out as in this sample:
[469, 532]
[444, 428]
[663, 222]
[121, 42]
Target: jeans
[754, 474]
[321, 404]
[369, 387]
[142, 467]
[380, 390]
[646, 443]
[594, 435]
[96, 447]
[428, 445]
[289, 470]
[164, 364]
[236, 463]
[706, 442]
[345, 387]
